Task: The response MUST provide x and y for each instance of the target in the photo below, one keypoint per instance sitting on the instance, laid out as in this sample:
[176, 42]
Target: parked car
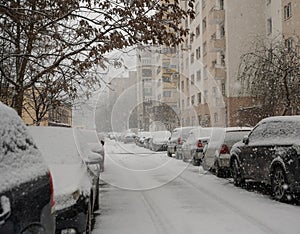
[26, 189]
[158, 140]
[141, 137]
[178, 137]
[75, 166]
[192, 149]
[270, 154]
[129, 138]
[217, 151]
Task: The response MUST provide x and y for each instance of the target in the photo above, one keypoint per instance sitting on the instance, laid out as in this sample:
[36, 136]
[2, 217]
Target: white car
[75, 166]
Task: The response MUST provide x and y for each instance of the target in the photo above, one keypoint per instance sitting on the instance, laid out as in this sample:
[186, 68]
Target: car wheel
[279, 184]
[196, 162]
[89, 219]
[219, 171]
[169, 154]
[236, 173]
[96, 206]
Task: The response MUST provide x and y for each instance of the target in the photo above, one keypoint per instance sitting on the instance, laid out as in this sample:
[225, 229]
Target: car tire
[196, 162]
[219, 171]
[236, 173]
[96, 206]
[89, 219]
[279, 184]
[169, 154]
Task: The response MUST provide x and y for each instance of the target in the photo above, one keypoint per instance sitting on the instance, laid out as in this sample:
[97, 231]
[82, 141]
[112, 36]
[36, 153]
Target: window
[222, 57]
[221, 4]
[222, 31]
[192, 58]
[192, 79]
[182, 85]
[204, 24]
[182, 103]
[205, 96]
[289, 43]
[167, 93]
[199, 98]
[192, 37]
[288, 11]
[204, 48]
[188, 101]
[269, 26]
[193, 100]
[198, 53]
[146, 72]
[198, 31]
[223, 89]
[198, 75]
[187, 84]
[258, 132]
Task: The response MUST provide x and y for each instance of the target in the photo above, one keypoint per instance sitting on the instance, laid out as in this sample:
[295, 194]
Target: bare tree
[271, 73]
[67, 38]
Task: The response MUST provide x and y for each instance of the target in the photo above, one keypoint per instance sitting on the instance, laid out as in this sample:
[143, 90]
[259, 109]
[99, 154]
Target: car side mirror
[246, 140]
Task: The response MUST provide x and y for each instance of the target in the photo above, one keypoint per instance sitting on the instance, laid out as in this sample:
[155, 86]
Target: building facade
[222, 31]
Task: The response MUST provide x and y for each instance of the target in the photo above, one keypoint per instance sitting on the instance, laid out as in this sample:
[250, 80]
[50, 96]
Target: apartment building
[145, 85]
[157, 74]
[290, 11]
[223, 30]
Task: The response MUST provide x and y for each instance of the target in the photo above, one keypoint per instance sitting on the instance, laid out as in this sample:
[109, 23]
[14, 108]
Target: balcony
[218, 73]
[216, 16]
[217, 45]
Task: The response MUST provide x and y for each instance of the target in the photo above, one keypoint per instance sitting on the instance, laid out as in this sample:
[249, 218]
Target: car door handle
[6, 209]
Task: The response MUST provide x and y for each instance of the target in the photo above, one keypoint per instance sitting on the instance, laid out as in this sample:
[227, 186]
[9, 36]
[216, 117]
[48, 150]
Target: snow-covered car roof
[20, 160]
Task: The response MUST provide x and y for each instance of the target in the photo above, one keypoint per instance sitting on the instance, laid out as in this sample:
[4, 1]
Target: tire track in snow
[266, 229]
[161, 223]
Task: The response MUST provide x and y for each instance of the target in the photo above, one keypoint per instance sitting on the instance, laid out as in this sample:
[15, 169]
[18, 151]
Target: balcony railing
[216, 16]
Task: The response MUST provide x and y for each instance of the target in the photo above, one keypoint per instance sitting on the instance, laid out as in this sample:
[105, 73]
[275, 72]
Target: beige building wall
[291, 23]
[245, 23]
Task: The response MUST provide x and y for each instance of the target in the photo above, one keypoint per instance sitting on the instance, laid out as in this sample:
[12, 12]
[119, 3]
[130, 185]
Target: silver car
[192, 149]
[217, 152]
[178, 137]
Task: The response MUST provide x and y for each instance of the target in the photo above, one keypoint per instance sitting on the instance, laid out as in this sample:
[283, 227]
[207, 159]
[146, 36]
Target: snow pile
[20, 160]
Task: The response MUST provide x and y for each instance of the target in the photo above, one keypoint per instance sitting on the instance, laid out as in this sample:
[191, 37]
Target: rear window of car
[235, 135]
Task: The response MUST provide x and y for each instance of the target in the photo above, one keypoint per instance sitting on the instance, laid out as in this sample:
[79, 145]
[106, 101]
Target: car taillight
[199, 144]
[179, 141]
[224, 149]
[51, 190]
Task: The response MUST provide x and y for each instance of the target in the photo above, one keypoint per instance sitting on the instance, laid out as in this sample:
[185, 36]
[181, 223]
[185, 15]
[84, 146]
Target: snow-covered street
[147, 192]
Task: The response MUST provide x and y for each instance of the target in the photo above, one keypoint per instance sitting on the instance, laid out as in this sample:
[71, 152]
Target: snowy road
[149, 193]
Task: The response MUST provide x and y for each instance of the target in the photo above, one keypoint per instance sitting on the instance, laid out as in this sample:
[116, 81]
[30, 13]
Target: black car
[26, 189]
[270, 154]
